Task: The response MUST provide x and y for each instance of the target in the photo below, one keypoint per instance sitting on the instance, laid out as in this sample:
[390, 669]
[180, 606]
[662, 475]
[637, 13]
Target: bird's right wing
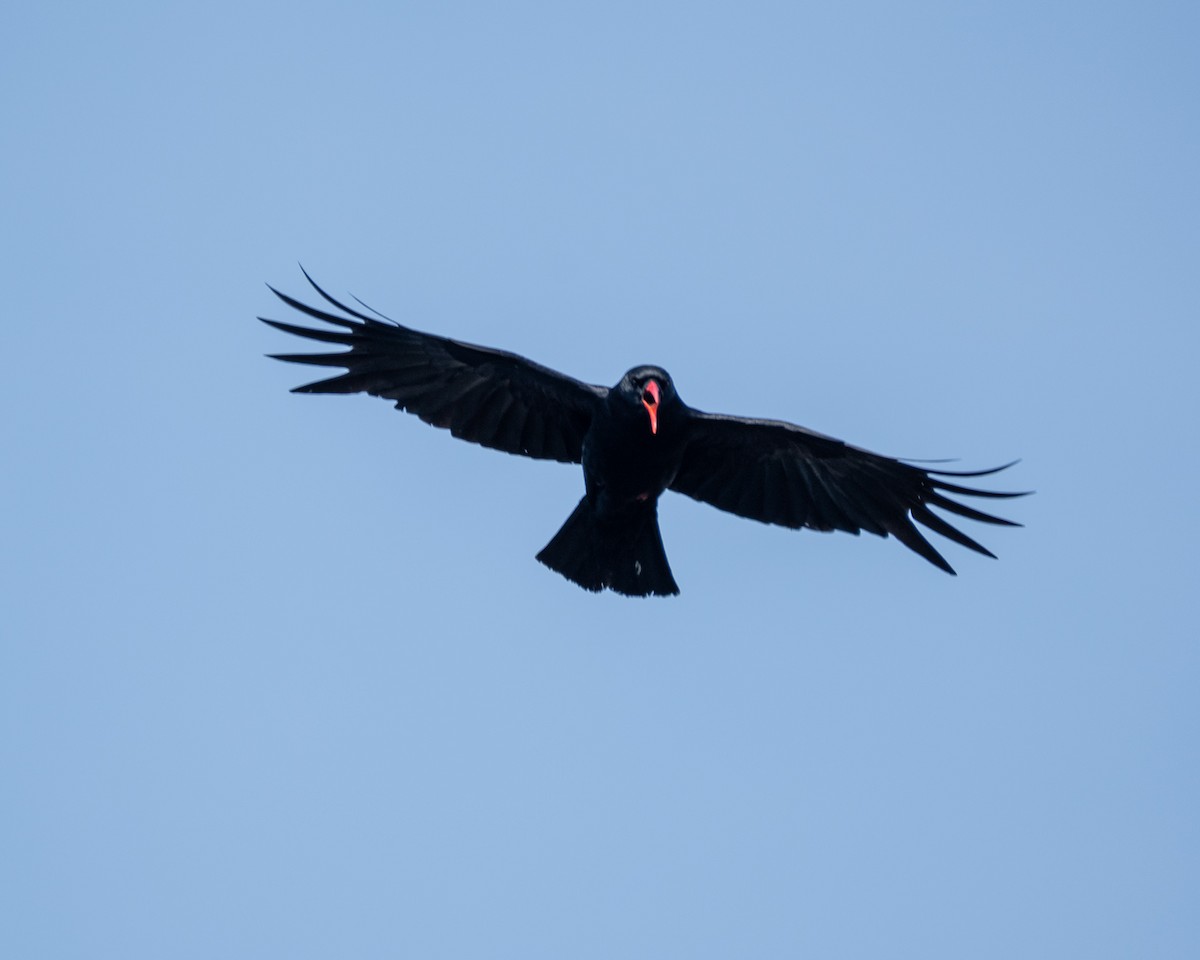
[780, 473]
[489, 397]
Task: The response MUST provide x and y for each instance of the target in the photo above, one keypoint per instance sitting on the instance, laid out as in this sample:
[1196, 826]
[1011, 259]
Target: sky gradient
[279, 675]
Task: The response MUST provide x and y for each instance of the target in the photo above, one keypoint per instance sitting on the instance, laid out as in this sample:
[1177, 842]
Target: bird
[635, 441]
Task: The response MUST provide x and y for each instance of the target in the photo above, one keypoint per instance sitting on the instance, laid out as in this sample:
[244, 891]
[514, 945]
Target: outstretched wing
[490, 397]
[780, 473]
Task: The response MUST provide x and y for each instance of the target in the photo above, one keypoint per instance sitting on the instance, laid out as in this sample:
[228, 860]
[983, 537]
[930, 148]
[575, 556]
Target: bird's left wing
[490, 397]
[780, 473]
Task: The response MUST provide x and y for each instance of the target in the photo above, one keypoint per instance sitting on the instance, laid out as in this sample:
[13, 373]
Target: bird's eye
[647, 396]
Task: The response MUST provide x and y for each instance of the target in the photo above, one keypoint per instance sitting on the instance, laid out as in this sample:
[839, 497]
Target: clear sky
[279, 675]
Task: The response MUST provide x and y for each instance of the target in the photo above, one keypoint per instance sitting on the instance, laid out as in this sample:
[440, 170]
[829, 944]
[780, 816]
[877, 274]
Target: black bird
[635, 440]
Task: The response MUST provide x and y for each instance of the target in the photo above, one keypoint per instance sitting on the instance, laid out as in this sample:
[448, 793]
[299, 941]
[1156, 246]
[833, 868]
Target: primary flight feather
[635, 440]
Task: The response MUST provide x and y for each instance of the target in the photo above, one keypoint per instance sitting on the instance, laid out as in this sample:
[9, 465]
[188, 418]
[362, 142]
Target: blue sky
[280, 676]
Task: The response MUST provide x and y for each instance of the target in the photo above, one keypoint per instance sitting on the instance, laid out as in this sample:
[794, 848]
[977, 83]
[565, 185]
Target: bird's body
[622, 459]
[634, 441]
[631, 454]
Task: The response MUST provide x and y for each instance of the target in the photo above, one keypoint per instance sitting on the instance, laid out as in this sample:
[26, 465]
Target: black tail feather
[624, 553]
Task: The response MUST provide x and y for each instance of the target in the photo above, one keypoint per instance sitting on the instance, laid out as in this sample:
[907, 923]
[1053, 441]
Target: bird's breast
[630, 468]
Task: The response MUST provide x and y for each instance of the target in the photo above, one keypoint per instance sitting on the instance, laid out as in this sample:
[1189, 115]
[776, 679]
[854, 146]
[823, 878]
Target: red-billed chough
[634, 440]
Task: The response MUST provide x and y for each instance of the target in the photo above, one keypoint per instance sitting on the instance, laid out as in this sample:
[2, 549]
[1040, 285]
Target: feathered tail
[623, 553]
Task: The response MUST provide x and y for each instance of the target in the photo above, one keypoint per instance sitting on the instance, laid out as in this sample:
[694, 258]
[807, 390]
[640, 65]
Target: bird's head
[649, 390]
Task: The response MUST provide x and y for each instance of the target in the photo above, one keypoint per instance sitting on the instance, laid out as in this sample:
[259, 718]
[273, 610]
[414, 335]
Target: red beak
[651, 403]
